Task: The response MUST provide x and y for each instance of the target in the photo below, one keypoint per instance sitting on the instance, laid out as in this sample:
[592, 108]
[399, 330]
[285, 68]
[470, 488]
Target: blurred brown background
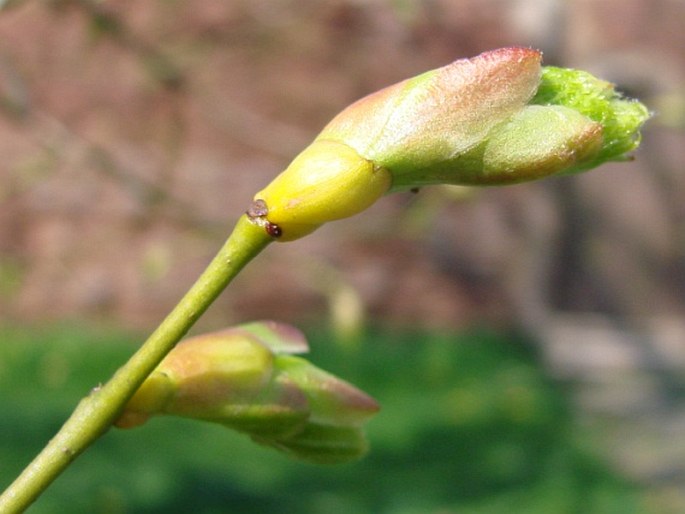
[133, 134]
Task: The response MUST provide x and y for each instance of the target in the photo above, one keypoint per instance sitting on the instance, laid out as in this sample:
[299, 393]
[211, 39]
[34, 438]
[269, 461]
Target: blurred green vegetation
[469, 424]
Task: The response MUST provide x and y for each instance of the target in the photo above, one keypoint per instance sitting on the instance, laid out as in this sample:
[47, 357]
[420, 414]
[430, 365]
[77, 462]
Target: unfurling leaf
[498, 118]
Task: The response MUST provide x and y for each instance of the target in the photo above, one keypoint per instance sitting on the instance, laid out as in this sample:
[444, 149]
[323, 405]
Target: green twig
[96, 413]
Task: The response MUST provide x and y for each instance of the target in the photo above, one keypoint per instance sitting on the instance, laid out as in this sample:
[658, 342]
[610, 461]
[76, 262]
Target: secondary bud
[246, 378]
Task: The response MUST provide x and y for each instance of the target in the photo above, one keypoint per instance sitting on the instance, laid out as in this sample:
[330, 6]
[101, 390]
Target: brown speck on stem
[273, 230]
[258, 209]
[257, 214]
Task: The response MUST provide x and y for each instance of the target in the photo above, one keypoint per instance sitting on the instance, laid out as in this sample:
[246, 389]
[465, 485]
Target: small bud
[246, 378]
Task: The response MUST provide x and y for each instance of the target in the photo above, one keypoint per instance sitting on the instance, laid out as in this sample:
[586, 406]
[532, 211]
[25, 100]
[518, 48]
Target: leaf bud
[246, 378]
[495, 119]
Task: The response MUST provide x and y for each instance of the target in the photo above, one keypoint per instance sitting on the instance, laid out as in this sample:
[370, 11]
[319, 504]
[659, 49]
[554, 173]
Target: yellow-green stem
[96, 413]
